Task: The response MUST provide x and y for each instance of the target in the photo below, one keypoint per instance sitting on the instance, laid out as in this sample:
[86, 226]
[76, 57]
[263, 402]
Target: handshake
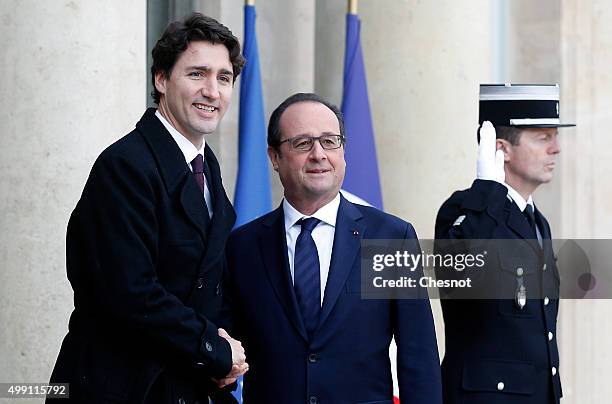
[239, 364]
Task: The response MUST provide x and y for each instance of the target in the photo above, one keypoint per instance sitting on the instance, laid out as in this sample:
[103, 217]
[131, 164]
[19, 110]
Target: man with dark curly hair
[145, 243]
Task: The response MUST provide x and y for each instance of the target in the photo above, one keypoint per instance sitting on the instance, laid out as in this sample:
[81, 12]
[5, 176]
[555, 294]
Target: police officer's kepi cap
[521, 105]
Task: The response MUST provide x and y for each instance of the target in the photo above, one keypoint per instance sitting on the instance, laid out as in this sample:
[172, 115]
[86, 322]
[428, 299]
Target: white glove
[490, 164]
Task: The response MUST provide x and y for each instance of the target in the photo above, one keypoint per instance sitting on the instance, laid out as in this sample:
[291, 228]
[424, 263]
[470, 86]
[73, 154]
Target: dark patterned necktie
[198, 170]
[307, 280]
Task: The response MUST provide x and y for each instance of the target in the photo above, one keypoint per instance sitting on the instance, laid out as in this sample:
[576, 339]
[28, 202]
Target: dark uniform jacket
[346, 360]
[496, 352]
[145, 263]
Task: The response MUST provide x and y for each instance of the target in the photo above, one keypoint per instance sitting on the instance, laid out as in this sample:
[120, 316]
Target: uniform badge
[521, 291]
[521, 297]
[459, 220]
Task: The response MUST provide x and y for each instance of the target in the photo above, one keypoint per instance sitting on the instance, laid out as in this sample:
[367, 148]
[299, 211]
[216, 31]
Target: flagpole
[352, 6]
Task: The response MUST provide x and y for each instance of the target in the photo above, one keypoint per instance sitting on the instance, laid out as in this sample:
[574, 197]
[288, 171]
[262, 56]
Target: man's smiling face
[198, 90]
[313, 177]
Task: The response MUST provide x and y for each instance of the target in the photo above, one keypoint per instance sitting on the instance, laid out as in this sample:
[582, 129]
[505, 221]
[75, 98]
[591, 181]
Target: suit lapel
[223, 218]
[173, 169]
[347, 243]
[273, 248]
[194, 207]
[177, 178]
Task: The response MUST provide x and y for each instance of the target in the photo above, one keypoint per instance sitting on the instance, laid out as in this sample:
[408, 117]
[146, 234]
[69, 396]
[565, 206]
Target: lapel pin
[355, 233]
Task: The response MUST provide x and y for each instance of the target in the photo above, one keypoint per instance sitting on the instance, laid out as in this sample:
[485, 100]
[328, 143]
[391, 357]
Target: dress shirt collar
[518, 199]
[326, 214]
[188, 149]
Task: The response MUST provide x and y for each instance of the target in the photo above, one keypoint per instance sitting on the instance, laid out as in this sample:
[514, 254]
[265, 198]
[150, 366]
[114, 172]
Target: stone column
[73, 82]
[569, 42]
[330, 40]
[585, 209]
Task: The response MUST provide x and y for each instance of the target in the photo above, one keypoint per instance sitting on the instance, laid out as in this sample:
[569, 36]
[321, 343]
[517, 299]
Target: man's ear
[160, 82]
[274, 155]
[503, 145]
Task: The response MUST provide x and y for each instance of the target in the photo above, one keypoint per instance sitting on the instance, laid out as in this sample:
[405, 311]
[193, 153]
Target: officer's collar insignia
[459, 220]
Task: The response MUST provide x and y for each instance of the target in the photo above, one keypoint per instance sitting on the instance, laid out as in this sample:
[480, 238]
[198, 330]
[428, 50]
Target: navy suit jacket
[496, 352]
[347, 359]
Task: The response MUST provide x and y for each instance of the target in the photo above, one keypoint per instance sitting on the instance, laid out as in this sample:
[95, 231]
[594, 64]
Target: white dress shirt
[323, 235]
[190, 152]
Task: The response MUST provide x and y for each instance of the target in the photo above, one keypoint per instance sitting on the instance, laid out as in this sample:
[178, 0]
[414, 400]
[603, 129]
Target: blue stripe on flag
[252, 197]
[361, 166]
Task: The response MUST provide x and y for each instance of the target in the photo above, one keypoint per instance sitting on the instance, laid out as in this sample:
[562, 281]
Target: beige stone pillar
[586, 209]
[73, 82]
[533, 41]
[330, 39]
[569, 42]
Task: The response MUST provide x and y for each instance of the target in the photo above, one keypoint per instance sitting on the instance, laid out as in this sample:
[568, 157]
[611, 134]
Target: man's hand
[490, 164]
[239, 364]
[232, 376]
[238, 356]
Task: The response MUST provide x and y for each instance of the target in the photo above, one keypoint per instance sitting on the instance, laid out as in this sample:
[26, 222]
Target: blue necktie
[307, 281]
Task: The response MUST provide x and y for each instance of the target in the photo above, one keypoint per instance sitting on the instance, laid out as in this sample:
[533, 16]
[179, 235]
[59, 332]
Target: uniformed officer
[504, 350]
